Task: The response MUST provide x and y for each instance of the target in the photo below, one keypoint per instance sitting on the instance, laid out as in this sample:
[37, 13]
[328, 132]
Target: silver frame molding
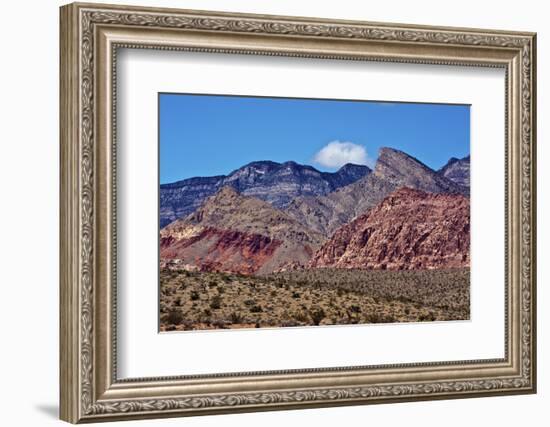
[90, 37]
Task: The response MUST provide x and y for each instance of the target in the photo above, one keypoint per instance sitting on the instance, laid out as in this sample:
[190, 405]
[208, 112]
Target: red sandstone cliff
[409, 229]
[239, 234]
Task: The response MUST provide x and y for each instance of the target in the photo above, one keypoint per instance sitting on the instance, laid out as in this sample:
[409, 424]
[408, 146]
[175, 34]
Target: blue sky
[205, 135]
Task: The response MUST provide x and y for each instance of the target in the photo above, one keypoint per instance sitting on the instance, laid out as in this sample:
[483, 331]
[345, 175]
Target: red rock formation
[409, 229]
[220, 250]
[238, 234]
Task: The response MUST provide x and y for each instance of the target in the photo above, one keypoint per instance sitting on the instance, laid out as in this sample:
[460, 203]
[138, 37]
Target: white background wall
[29, 170]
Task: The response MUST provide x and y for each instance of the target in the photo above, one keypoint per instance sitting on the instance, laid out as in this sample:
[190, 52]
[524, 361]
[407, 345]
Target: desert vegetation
[196, 300]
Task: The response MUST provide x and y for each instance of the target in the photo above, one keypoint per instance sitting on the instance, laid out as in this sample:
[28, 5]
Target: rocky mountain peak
[353, 170]
[226, 194]
[401, 169]
[259, 167]
[457, 170]
[396, 163]
[352, 166]
[453, 160]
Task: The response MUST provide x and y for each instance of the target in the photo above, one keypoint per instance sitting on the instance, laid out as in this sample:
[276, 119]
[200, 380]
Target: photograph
[285, 212]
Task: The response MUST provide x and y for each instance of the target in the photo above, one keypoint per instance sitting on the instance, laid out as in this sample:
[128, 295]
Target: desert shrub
[194, 296]
[220, 289]
[390, 319]
[212, 284]
[353, 318]
[295, 294]
[219, 324]
[174, 317]
[300, 316]
[177, 301]
[207, 312]
[380, 318]
[249, 302]
[256, 309]
[317, 314]
[204, 319]
[374, 318]
[216, 302]
[355, 309]
[188, 325]
[236, 317]
[430, 317]
[287, 323]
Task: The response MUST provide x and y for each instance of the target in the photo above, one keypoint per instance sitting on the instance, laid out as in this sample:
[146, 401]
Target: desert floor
[191, 301]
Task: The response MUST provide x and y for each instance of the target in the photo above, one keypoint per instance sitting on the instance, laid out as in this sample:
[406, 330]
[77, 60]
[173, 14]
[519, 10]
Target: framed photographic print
[265, 212]
[378, 239]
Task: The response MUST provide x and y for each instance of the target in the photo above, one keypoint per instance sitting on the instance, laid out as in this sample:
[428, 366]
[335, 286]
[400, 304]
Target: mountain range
[275, 183]
[393, 169]
[269, 216]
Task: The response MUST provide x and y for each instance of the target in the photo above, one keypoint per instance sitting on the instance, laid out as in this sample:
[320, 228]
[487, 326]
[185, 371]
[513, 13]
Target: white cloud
[336, 154]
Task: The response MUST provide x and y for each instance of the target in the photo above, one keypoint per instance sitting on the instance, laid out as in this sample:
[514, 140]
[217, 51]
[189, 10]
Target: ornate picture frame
[90, 37]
